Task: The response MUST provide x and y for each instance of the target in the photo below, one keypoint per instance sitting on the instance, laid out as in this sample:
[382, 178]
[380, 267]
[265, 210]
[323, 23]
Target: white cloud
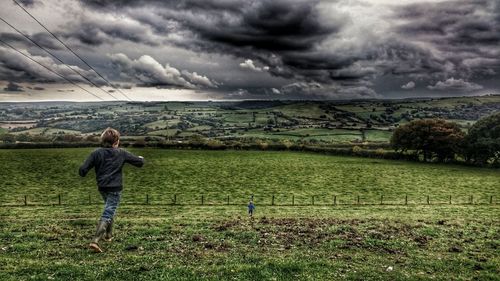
[197, 79]
[150, 72]
[409, 86]
[248, 63]
[455, 84]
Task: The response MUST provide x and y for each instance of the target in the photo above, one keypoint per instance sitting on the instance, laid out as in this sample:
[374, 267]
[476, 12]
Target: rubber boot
[108, 237]
[100, 231]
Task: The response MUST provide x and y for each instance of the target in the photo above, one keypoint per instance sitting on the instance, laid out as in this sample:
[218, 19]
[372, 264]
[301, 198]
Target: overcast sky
[252, 49]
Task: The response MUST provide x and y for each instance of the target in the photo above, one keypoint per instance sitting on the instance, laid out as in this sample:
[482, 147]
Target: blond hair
[109, 137]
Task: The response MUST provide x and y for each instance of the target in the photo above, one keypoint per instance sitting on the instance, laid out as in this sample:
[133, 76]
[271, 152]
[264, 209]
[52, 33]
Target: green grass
[216, 174]
[162, 124]
[200, 128]
[334, 135]
[281, 243]
[306, 110]
[238, 118]
[161, 241]
[165, 132]
[378, 135]
[46, 131]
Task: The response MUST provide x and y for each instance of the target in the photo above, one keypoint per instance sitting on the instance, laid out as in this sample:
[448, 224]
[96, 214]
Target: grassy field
[43, 174]
[187, 241]
[46, 131]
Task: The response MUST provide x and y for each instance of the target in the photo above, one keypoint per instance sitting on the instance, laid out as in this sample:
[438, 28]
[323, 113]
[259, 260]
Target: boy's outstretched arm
[130, 158]
[87, 165]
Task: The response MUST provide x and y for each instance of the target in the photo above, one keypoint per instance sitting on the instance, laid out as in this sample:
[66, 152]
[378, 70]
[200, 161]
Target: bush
[356, 150]
[139, 143]
[8, 138]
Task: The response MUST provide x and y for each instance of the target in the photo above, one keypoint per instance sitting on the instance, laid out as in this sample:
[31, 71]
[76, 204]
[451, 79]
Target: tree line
[439, 140]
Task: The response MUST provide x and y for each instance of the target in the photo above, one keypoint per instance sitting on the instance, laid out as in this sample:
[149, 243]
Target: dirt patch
[287, 233]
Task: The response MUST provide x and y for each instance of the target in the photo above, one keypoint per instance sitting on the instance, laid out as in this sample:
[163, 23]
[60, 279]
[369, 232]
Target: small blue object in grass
[251, 208]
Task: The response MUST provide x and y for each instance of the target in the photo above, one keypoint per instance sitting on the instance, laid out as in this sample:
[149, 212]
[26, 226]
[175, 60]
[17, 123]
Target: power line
[57, 58]
[67, 47]
[14, 48]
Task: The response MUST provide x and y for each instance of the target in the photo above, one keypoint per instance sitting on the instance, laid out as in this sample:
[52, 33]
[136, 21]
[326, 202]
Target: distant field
[378, 135]
[42, 174]
[187, 241]
[307, 110]
[304, 121]
[329, 135]
[47, 131]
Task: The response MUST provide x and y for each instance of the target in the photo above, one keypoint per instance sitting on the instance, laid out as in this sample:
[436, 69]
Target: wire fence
[180, 199]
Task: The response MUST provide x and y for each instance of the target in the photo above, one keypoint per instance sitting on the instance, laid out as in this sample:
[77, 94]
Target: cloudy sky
[250, 49]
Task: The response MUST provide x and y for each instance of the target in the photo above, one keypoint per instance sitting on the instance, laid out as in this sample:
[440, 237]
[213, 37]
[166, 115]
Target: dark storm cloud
[275, 32]
[27, 3]
[318, 47]
[13, 87]
[270, 25]
[465, 36]
[99, 30]
[286, 37]
[455, 23]
[18, 68]
[43, 39]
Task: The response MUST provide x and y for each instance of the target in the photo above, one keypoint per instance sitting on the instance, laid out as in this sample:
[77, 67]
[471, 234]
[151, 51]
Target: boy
[251, 207]
[108, 162]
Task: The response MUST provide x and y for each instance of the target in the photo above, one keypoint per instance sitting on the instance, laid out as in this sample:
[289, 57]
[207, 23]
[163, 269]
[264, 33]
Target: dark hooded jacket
[108, 164]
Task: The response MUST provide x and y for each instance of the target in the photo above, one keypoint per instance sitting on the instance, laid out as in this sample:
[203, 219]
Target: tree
[430, 138]
[482, 144]
[23, 137]
[8, 138]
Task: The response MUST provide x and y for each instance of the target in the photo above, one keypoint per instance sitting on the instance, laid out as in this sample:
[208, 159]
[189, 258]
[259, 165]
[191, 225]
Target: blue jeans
[111, 201]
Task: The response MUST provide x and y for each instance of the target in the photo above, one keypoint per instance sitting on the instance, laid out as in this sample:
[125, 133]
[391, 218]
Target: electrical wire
[67, 47]
[57, 58]
[15, 49]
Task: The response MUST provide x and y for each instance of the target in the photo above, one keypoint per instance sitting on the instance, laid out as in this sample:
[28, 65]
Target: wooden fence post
[175, 199]
[358, 199]
[381, 199]
[335, 200]
[406, 199]
[491, 199]
[272, 201]
[293, 199]
[202, 200]
[428, 200]
[312, 199]
[147, 199]
[228, 199]
[25, 200]
[471, 199]
[90, 199]
[449, 200]
[59, 198]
